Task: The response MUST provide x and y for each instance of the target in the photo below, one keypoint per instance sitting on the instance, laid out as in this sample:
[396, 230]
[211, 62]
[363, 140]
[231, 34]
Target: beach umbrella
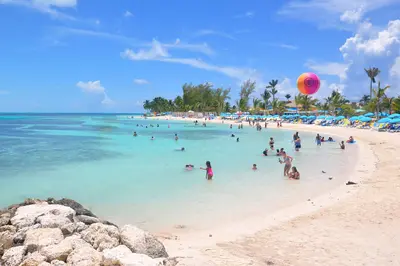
[369, 114]
[395, 121]
[311, 117]
[383, 114]
[339, 118]
[394, 116]
[329, 117]
[359, 111]
[354, 118]
[321, 117]
[365, 119]
[303, 117]
[384, 120]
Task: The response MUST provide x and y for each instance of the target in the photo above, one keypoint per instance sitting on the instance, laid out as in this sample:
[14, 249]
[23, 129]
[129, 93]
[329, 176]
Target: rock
[58, 263]
[26, 216]
[76, 241]
[13, 256]
[57, 252]
[33, 259]
[114, 255]
[68, 229]
[87, 219]
[42, 237]
[80, 227]
[78, 208]
[52, 221]
[85, 256]
[137, 260]
[10, 228]
[5, 218]
[139, 241]
[167, 261]
[101, 236]
[6, 241]
[44, 264]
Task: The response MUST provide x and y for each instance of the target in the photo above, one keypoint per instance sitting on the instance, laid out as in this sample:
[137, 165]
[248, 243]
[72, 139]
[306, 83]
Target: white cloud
[177, 45]
[283, 45]
[329, 12]
[352, 16]
[207, 32]
[49, 7]
[159, 53]
[248, 14]
[3, 92]
[328, 68]
[141, 81]
[91, 86]
[106, 100]
[128, 14]
[395, 69]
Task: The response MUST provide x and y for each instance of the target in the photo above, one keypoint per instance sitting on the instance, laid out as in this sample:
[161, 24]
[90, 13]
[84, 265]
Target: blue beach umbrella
[340, 117]
[384, 120]
[369, 114]
[354, 118]
[383, 114]
[395, 121]
[365, 119]
[394, 116]
[321, 117]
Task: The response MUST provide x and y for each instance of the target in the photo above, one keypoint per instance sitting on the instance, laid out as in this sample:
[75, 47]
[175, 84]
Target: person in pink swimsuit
[209, 171]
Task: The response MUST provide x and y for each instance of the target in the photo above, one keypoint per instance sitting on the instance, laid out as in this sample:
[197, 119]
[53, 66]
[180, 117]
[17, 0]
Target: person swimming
[189, 167]
[318, 140]
[254, 167]
[176, 137]
[180, 149]
[323, 139]
[158, 125]
[330, 139]
[237, 140]
[287, 160]
[232, 135]
[265, 152]
[152, 138]
[342, 146]
[209, 171]
[294, 174]
[350, 140]
[135, 134]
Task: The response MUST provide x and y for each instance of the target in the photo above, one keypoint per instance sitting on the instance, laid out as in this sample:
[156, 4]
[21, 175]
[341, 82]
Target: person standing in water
[342, 146]
[271, 143]
[297, 143]
[318, 140]
[287, 160]
[176, 137]
[209, 171]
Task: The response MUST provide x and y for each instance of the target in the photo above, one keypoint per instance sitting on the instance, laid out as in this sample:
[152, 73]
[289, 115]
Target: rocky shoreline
[63, 232]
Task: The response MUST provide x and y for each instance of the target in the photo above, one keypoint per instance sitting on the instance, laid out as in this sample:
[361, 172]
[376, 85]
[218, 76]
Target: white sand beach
[351, 225]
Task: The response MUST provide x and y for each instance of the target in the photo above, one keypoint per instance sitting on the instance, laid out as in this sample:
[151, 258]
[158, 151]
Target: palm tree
[306, 102]
[278, 106]
[266, 96]
[146, 105]
[372, 72]
[396, 105]
[272, 86]
[256, 103]
[365, 99]
[288, 96]
[388, 103]
[380, 94]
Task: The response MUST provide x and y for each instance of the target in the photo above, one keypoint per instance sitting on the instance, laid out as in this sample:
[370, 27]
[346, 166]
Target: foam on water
[96, 161]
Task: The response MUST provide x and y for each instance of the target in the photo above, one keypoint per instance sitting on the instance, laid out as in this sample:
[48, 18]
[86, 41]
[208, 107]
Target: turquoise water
[95, 160]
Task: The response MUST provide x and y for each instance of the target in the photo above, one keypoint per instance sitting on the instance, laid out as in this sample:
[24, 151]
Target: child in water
[278, 152]
[176, 137]
[341, 145]
[350, 140]
[265, 152]
[209, 171]
[254, 167]
[152, 138]
[135, 134]
[294, 174]
[189, 167]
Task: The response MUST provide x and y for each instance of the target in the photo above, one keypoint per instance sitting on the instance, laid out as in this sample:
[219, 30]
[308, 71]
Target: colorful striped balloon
[308, 83]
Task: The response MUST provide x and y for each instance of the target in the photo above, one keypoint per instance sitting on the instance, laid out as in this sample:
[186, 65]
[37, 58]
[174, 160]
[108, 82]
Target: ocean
[95, 160]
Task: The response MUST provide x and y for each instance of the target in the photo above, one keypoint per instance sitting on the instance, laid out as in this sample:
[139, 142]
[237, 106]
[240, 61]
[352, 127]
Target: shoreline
[201, 244]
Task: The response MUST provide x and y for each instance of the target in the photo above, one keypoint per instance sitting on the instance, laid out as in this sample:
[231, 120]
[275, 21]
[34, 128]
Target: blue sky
[109, 56]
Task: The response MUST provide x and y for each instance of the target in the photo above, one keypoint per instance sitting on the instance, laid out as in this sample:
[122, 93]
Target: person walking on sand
[209, 171]
[287, 160]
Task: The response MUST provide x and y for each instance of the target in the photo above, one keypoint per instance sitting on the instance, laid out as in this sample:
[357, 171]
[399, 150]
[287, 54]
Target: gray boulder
[5, 218]
[85, 256]
[78, 208]
[37, 239]
[57, 252]
[101, 236]
[114, 255]
[8, 228]
[58, 263]
[68, 229]
[13, 256]
[33, 259]
[6, 241]
[26, 216]
[139, 241]
[87, 219]
[52, 221]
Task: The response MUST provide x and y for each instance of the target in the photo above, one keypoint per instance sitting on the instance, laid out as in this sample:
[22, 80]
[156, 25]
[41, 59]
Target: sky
[110, 56]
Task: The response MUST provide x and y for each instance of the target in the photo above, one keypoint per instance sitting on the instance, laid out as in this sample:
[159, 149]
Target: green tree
[387, 104]
[278, 107]
[228, 107]
[306, 102]
[379, 94]
[178, 102]
[272, 85]
[247, 88]
[347, 110]
[396, 105]
[266, 96]
[372, 73]
[288, 96]
[256, 103]
[365, 99]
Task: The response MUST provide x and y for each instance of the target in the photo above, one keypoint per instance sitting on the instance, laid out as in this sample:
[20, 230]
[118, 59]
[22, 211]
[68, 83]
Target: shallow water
[95, 160]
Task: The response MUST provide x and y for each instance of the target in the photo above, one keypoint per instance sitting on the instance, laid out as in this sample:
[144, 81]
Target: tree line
[206, 98]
